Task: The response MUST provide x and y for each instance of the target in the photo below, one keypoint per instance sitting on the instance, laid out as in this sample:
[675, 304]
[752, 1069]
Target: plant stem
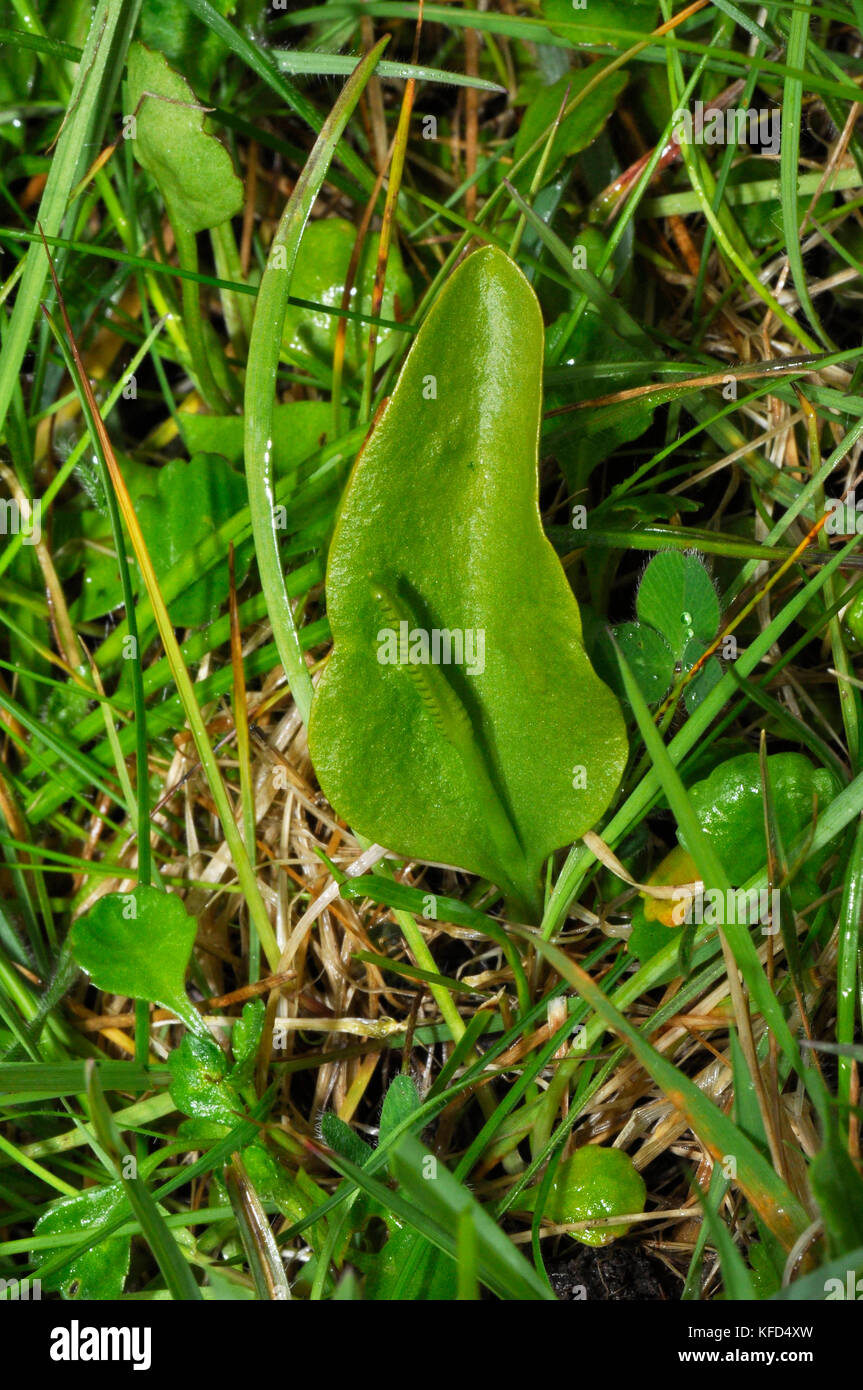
[187, 253]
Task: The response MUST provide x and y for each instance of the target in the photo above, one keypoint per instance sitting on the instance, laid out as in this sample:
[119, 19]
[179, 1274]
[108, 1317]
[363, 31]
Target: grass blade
[264, 349]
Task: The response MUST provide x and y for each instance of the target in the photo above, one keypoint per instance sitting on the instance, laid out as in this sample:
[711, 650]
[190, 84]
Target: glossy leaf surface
[100, 1272]
[199, 1081]
[494, 743]
[729, 804]
[594, 1183]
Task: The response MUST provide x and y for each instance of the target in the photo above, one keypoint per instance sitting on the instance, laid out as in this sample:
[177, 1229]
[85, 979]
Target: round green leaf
[600, 21]
[677, 597]
[699, 688]
[593, 1183]
[138, 944]
[299, 429]
[199, 1084]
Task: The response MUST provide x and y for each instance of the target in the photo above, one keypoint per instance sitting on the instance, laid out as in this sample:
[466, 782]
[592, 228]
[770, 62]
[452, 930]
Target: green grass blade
[264, 351]
[89, 103]
[792, 113]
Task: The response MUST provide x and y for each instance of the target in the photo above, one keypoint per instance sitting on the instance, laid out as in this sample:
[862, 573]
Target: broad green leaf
[165, 1246]
[190, 503]
[446, 1202]
[138, 944]
[408, 1268]
[178, 506]
[201, 1134]
[64, 708]
[595, 1182]
[761, 221]
[709, 676]
[193, 170]
[576, 131]
[100, 1272]
[458, 719]
[295, 1194]
[101, 588]
[85, 539]
[648, 935]
[320, 274]
[299, 429]
[400, 1102]
[678, 615]
[348, 1288]
[766, 1279]
[589, 239]
[729, 807]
